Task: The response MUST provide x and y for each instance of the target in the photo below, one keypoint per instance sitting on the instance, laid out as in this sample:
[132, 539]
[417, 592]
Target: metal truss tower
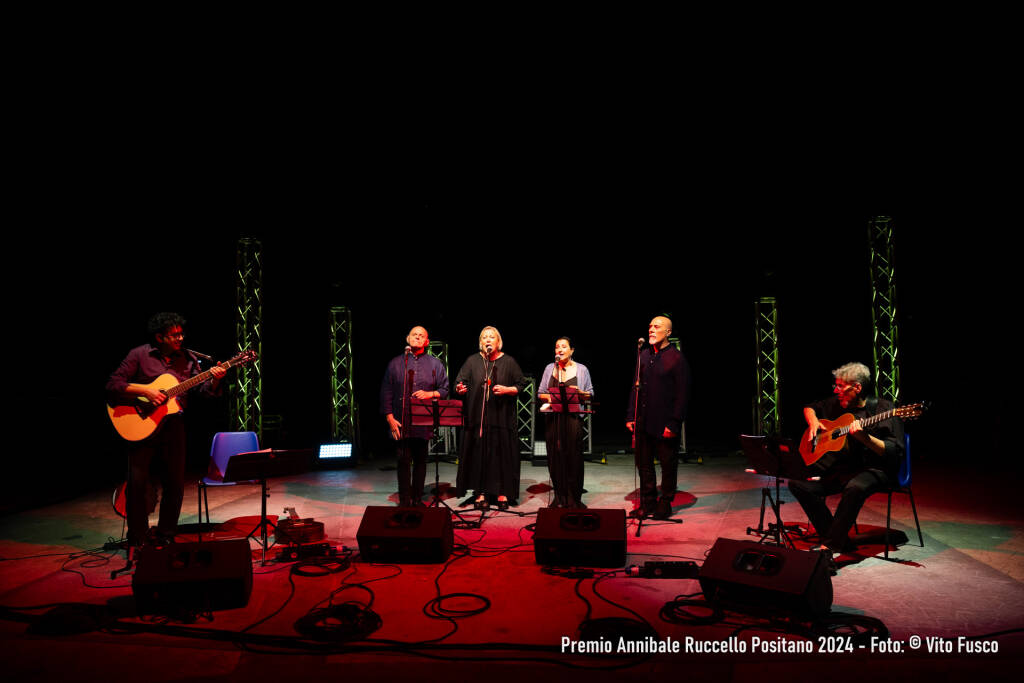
[246, 390]
[883, 308]
[766, 339]
[439, 350]
[588, 436]
[525, 417]
[443, 442]
[344, 414]
[677, 342]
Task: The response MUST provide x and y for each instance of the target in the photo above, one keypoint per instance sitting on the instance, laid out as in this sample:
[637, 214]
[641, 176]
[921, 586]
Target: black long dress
[563, 436]
[489, 461]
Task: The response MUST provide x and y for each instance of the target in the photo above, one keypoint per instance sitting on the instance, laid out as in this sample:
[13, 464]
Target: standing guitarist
[869, 461]
[164, 450]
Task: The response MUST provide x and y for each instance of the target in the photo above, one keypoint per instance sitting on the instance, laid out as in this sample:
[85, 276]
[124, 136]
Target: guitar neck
[874, 419]
[197, 379]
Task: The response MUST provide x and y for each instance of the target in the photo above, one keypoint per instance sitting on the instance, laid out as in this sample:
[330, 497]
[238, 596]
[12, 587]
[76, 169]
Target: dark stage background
[589, 267]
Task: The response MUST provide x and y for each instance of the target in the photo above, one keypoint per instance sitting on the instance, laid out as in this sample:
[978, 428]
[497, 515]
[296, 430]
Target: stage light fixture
[335, 451]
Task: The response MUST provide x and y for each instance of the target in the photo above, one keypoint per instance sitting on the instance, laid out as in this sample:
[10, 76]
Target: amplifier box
[206, 575]
[580, 538]
[754, 577]
[415, 535]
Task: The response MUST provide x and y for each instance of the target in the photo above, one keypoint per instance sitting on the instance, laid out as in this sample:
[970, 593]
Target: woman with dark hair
[564, 430]
[489, 458]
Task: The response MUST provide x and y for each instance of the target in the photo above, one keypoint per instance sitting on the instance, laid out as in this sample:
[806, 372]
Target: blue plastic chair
[902, 486]
[224, 446]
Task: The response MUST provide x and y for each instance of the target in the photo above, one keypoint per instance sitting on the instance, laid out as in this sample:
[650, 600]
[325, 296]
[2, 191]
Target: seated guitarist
[868, 462]
[164, 450]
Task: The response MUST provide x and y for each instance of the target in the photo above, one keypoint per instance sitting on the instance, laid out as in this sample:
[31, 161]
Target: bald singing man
[656, 411]
[414, 374]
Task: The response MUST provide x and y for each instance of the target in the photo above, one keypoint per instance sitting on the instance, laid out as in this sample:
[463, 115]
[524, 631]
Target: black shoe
[404, 502]
[848, 546]
[157, 538]
[577, 505]
[641, 512]
[664, 509]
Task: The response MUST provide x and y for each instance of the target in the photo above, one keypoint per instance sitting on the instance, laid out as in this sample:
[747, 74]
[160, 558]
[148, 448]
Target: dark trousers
[856, 489]
[564, 438]
[412, 454]
[648, 447]
[162, 454]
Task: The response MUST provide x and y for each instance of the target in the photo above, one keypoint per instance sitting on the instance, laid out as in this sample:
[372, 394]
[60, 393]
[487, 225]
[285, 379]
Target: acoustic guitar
[137, 419]
[833, 438]
[120, 499]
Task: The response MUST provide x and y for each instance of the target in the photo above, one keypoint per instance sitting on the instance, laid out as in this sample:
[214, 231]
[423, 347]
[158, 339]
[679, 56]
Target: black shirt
[664, 391]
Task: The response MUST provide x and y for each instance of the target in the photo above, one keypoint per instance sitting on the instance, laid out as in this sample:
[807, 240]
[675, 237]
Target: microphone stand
[483, 399]
[636, 395]
[636, 425]
[438, 501]
[636, 416]
[406, 420]
[562, 436]
[482, 435]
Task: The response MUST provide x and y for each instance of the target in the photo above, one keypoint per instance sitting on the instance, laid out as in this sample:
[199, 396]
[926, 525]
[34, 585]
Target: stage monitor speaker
[580, 538]
[208, 575]
[753, 577]
[415, 535]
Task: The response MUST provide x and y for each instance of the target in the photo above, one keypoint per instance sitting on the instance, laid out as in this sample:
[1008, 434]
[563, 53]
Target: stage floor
[64, 617]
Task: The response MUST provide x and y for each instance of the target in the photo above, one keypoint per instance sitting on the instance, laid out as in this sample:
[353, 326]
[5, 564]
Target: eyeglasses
[175, 335]
[837, 387]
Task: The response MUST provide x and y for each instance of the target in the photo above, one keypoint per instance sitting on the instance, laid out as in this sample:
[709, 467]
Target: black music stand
[261, 465]
[438, 413]
[565, 400]
[779, 458]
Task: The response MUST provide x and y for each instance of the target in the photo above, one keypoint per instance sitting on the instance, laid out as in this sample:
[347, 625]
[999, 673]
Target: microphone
[200, 355]
[640, 342]
[408, 349]
[489, 348]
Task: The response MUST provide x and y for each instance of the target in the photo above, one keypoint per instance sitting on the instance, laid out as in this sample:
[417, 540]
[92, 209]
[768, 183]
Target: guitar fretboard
[868, 421]
[199, 379]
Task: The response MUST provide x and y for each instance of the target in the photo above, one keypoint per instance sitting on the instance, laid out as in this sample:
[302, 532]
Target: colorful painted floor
[505, 617]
